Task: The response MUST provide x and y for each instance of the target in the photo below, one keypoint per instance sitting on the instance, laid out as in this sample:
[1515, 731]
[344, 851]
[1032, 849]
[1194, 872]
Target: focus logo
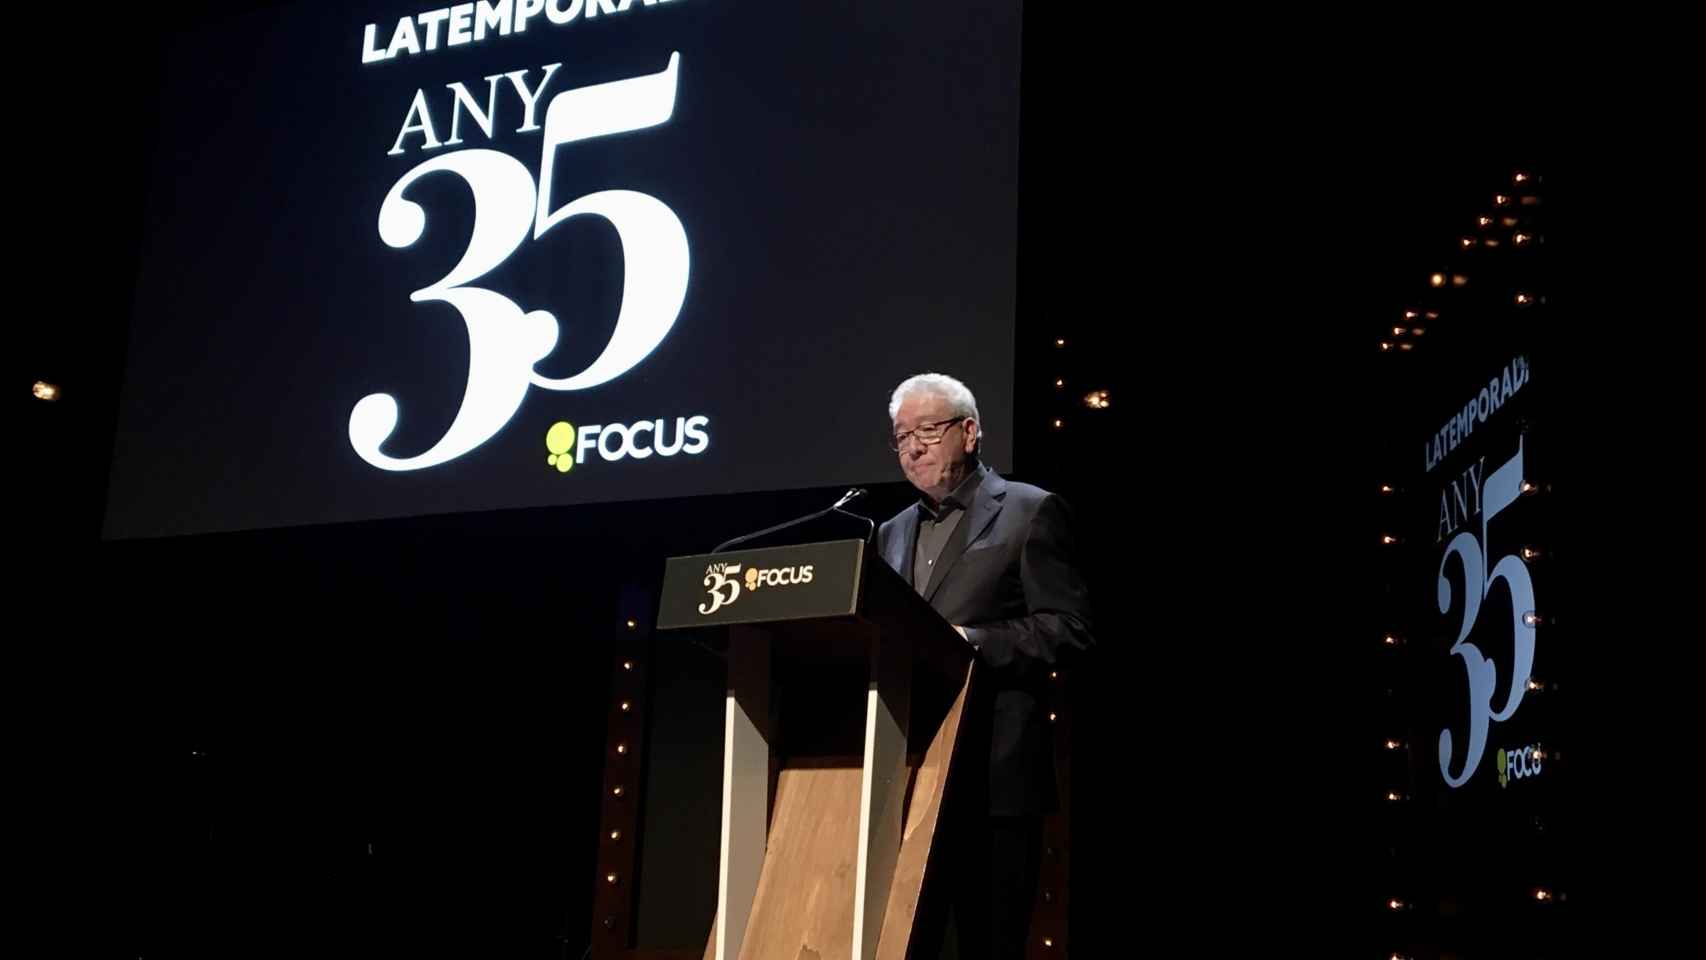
[777, 577]
[1519, 764]
[569, 445]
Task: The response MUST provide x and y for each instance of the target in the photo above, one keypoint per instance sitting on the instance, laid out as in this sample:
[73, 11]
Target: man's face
[934, 468]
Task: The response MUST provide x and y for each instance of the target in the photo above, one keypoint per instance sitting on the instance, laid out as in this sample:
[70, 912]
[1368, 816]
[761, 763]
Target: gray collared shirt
[936, 525]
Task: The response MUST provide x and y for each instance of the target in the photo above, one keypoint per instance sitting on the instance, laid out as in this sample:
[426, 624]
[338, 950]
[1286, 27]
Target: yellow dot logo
[1504, 772]
[752, 578]
[560, 439]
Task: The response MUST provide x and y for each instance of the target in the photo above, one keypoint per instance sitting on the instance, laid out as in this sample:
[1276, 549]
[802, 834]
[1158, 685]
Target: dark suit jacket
[1008, 576]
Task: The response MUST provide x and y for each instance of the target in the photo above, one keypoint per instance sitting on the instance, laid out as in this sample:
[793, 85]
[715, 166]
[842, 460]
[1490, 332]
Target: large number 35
[504, 343]
[1500, 491]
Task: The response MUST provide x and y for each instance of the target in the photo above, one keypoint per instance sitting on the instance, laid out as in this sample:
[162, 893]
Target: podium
[831, 801]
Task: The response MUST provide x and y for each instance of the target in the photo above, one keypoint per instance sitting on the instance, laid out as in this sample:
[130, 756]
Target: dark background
[384, 738]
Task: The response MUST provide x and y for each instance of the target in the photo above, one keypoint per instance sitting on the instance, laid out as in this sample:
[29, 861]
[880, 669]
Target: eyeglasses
[927, 433]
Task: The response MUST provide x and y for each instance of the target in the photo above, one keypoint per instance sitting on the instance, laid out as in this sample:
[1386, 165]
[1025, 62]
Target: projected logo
[1519, 764]
[506, 341]
[1480, 575]
[568, 445]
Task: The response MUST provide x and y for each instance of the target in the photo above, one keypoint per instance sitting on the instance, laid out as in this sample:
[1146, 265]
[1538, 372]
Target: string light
[1406, 346]
[1388, 539]
[1048, 942]
[1060, 341]
[1393, 744]
[1394, 798]
[1097, 400]
[632, 625]
[1521, 178]
[1437, 279]
[1509, 221]
[1491, 241]
[1397, 331]
[1385, 347]
[1458, 280]
[1543, 895]
[615, 834]
[1058, 383]
[622, 748]
[45, 391]
[1523, 300]
[1485, 221]
[1051, 716]
[1529, 487]
[1409, 314]
[1417, 331]
[1529, 553]
[626, 706]
[1501, 200]
[1531, 201]
[1395, 904]
[1054, 674]
[627, 664]
[1385, 488]
[611, 879]
[1468, 242]
[1534, 684]
[1531, 619]
[617, 790]
[1520, 239]
[1057, 424]
[1392, 640]
[1432, 315]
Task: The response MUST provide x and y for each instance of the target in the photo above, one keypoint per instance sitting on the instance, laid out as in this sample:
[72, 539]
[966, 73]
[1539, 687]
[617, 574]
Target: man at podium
[994, 558]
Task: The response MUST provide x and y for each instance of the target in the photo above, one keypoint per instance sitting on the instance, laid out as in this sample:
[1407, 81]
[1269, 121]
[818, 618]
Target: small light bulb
[615, 834]
[1406, 346]
[1385, 488]
[1437, 279]
[1485, 221]
[632, 625]
[626, 706]
[1417, 331]
[1520, 239]
[1501, 200]
[611, 879]
[45, 391]
[1051, 716]
[1522, 299]
[627, 664]
[1459, 280]
[1534, 684]
[1385, 347]
[622, 748]
[617, 791]
[1409, 314]
[1391, 640]
[1060, 341]
[1394, 798]
[1057, 424]
[1543, 895]
[1432, 315]
[1393, 744]
[1468, 242]
[1509, 221]
[1531, 619]
[1521, 178]
[1395, 904]
[1059, 383]
[1388, 539]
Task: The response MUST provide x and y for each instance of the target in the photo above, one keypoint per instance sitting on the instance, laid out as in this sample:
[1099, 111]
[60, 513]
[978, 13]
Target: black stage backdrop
[384, 737]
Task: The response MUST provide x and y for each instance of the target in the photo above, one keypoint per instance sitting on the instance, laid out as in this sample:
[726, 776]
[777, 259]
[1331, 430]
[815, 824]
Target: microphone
[846, 498]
